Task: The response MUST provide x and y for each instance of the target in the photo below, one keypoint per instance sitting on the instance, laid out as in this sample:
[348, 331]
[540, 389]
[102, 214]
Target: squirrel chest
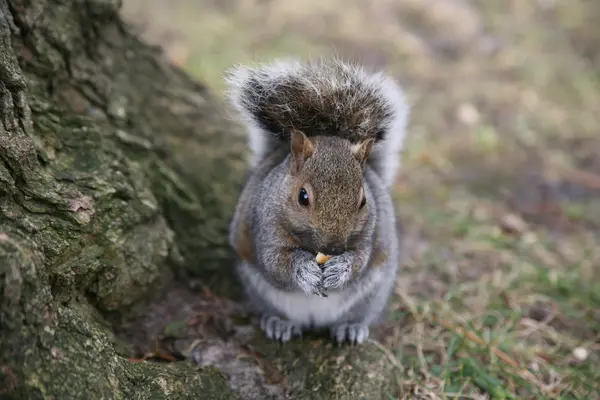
[312, 311]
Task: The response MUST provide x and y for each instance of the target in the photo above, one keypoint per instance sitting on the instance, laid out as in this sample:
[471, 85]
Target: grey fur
[323, 97]
[277, 243]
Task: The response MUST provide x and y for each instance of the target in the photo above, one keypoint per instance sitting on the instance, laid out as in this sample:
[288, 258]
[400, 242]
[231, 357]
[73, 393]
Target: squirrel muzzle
[333, 249]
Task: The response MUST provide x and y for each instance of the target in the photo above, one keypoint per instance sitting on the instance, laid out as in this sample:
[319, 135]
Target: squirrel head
[327, 205]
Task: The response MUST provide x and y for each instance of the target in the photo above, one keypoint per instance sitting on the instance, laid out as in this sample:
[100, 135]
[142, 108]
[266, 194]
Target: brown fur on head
[326, 205]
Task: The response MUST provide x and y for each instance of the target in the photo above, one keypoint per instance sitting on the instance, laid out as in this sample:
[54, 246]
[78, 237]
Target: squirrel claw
[279, 329]
[353, 333]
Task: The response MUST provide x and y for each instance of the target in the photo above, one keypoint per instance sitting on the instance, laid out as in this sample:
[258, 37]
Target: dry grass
[500, 193]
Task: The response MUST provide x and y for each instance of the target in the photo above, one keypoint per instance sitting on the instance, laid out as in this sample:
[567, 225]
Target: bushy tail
[325, 97]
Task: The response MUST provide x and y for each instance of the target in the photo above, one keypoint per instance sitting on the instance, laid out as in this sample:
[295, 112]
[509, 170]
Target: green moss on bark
[49, 351]
[319, 369]
[88, 113]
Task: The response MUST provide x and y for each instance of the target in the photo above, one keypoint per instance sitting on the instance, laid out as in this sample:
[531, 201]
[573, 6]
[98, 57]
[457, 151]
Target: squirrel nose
[333, 250]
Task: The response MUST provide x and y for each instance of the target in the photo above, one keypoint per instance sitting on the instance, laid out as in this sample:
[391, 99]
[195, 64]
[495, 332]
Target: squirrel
[325, 138]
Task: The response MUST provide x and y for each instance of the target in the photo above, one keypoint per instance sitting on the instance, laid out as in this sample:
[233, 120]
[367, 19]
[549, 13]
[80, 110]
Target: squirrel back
[328, 97]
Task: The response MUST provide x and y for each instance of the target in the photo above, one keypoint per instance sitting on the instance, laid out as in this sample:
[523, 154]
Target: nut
[322, 258]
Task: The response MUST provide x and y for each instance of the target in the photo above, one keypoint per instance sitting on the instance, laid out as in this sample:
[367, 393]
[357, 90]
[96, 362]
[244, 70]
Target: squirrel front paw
[307, 273]
[337, 271]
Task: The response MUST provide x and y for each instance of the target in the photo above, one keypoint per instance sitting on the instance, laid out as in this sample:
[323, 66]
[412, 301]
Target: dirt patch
[208, 330]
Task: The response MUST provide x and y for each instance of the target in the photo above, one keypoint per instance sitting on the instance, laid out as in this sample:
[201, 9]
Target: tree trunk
[118, 175]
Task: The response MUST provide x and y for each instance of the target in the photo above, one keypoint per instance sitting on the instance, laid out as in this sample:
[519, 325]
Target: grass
[500, 190]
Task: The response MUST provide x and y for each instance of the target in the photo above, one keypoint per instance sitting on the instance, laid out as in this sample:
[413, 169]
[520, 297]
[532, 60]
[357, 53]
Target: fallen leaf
[513, 224]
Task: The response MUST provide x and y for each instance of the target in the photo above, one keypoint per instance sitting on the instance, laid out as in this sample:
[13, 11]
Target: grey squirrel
[325, 138]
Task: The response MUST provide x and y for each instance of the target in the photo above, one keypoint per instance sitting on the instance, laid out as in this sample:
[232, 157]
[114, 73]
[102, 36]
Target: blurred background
[500, 190]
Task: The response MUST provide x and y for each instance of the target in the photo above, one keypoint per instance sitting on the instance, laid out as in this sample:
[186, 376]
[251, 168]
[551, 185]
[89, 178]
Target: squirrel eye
[363, 202]
[303, 197]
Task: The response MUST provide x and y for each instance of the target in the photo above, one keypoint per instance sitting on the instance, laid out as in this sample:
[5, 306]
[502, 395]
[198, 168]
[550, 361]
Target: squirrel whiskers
[314, 227]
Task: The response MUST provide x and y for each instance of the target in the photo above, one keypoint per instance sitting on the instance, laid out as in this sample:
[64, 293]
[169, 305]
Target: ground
[499, 196]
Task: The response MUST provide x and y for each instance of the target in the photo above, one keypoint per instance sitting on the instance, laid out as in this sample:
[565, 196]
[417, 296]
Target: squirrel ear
[301, 148]
[361, 150]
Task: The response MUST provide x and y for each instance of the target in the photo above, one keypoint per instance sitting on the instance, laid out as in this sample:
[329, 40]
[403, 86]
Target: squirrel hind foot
[279, 329]
[352, 333]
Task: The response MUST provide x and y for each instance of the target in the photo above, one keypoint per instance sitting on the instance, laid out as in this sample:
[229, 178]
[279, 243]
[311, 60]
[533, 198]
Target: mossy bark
[107, 187]
[118, 173]
[49, 351]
